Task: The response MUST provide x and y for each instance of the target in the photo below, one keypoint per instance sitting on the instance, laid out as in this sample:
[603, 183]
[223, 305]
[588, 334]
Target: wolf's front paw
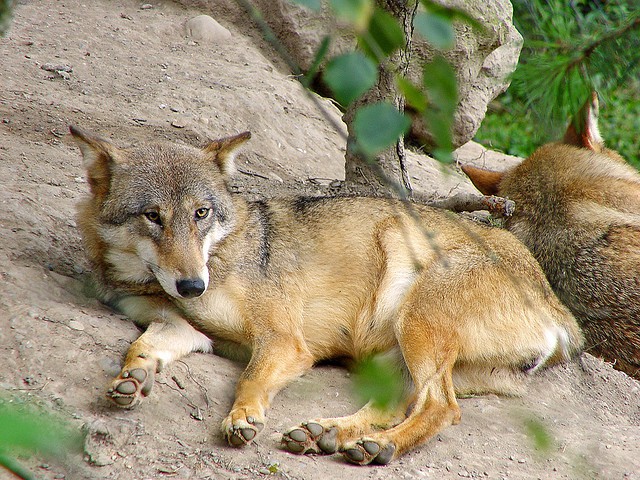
[240, 429]
[128, 388]
[311, 437]
[366, 451]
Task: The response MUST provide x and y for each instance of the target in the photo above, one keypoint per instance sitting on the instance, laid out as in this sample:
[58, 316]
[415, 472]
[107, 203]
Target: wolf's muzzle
[190, 287]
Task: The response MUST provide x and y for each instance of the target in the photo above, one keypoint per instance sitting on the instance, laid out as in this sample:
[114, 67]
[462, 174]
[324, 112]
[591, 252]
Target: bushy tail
[569, 339]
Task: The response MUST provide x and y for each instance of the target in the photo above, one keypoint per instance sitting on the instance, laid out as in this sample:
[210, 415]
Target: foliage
[350, 75]
[6, 9]
[29, 430]
[379, 37]
[571, 48]
[539, 434]
[377, 379]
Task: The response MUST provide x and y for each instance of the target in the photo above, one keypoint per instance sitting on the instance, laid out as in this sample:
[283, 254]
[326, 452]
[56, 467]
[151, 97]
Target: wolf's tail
[567, 336]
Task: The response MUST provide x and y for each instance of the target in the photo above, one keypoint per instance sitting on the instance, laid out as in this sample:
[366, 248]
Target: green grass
[511, 128]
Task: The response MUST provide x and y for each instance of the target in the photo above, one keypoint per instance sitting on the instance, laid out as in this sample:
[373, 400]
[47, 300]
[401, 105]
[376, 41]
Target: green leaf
[412, 94]
[355, 12]
[349, 76]
[314, 5]
[442, 90]
[539, 433]
[453, 14]
[30, 430]
[436, 29]
[441, 126]
[308, 77]
[378, 379]
[378, 126]
[441, 85]
[383, 36]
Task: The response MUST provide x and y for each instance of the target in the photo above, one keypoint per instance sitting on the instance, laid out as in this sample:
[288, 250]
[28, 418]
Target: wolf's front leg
[275, 361]
[168, 337]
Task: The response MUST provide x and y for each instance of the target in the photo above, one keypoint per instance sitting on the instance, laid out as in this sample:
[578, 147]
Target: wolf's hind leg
[430, 349]
[167, 338]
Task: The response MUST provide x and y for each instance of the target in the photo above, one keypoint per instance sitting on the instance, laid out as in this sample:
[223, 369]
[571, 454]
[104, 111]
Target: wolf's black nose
[190, 287]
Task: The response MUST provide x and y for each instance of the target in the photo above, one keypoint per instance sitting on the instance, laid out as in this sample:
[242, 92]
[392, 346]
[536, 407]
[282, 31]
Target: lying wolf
[578, 211]
[458, 307]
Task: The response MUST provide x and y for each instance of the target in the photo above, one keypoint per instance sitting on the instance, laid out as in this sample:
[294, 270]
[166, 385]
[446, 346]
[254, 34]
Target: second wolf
[578, 211]
[458, 307]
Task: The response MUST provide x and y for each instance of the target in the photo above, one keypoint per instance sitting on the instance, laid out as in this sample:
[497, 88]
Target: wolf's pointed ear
[98, 156]
[223, 151]
[487, 181]
[583, 130]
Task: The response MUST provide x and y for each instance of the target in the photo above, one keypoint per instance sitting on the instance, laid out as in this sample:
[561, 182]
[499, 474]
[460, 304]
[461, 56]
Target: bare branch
[469, 202]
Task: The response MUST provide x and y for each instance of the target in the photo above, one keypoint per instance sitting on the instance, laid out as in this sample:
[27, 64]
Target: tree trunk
[387, 174]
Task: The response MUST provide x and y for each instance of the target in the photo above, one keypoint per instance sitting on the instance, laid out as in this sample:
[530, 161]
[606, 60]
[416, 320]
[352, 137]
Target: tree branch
[469, 202]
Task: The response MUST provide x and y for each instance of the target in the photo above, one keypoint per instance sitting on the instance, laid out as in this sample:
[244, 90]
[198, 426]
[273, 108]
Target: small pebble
[76, 325]
[204, 28]
[196, 414]
[275, 177]
[50, 67]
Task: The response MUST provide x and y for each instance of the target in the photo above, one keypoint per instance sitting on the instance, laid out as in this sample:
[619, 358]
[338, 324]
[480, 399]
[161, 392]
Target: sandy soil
[133, 76]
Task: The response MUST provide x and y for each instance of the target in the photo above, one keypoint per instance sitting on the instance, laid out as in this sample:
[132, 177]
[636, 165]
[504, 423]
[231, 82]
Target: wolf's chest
[216, 313]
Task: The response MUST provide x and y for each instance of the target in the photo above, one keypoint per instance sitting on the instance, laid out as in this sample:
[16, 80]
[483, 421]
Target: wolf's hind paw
[366, 451]
[311, 437]
[130, 386]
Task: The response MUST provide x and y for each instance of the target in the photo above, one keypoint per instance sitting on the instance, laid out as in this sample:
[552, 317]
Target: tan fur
[578, 211]
[301, 280]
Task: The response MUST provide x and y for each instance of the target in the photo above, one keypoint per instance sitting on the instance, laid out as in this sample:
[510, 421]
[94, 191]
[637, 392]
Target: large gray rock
[483, 60]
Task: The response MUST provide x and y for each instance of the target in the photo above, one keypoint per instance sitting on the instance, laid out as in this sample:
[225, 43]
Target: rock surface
[483, 60]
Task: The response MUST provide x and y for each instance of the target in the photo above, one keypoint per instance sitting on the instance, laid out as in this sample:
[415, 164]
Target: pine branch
[611, 35]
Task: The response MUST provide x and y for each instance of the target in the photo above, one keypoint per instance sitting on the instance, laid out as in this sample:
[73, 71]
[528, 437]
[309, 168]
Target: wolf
[456, 307]
[578, 211]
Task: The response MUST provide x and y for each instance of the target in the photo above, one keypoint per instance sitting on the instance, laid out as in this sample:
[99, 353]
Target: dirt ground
[132, 74]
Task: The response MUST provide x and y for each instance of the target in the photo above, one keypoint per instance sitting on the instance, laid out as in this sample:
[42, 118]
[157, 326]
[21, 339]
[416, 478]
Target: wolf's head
[157, 210]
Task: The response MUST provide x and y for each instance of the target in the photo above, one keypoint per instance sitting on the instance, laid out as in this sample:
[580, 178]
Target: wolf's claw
[366, 451]
[311, 437]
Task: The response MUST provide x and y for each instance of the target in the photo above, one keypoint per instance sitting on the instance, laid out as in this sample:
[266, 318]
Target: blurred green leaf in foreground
[379, 380]
[26, 430]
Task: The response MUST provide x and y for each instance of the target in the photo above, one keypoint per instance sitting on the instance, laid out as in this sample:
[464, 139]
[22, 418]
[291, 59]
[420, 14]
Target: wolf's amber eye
[202, 213]
[153, 216]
